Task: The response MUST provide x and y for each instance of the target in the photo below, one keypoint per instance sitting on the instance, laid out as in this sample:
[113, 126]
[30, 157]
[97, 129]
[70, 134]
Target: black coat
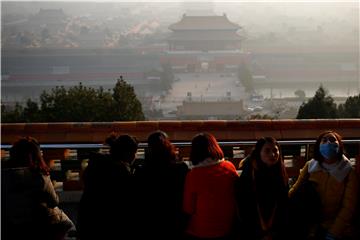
[269, 190]
[160, 200]
[107, 204]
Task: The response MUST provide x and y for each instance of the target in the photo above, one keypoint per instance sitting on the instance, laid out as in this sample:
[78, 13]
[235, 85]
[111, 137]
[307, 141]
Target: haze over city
[285, 46]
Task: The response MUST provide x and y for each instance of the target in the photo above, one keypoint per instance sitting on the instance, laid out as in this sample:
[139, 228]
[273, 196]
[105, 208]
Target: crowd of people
[164, 198]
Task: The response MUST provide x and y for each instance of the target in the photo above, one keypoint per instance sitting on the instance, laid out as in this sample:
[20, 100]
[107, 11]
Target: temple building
[204, 44]
[204, 33]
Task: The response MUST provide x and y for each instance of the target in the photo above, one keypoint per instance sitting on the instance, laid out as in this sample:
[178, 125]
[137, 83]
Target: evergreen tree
[319, 107]
[103, 107]
[300, 94]
[127, 106]
[167, 76]
[12, 115]
[79, 104]
[245, 77]
[31, 111]
[351, 108]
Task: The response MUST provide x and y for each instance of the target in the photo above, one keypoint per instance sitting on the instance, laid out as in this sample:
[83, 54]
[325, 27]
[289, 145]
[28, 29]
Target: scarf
[339, 170]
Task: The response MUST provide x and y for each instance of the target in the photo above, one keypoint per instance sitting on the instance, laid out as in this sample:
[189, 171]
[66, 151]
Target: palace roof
[204, 35]
[204, 23]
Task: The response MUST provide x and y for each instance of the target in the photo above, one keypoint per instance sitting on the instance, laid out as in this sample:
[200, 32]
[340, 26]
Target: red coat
[209, 200]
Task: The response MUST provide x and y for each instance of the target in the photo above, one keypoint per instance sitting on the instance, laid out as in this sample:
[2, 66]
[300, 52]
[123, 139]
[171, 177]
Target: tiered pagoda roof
[201, 35]
[204, 23]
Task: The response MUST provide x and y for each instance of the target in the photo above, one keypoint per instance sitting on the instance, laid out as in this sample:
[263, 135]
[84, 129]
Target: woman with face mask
[262, 193]
[336, 185]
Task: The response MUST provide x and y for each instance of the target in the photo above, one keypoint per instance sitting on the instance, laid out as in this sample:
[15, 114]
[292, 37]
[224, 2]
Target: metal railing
[67, 170]
[177, 144]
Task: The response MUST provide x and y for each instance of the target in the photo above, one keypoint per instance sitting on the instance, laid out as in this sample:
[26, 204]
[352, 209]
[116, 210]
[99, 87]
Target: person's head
[203, 146]
[160, 150]
[267, 151]
[123, 147]
[328, 147]
[25, 152]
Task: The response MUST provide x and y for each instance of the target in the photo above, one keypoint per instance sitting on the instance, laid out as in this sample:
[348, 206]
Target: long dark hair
[204, 145]
[25, 152]
[122, 147]
[317, 154]
[160, 151]
[258, 163]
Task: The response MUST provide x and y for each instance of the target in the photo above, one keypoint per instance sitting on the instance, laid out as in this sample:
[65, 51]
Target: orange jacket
[338, 198]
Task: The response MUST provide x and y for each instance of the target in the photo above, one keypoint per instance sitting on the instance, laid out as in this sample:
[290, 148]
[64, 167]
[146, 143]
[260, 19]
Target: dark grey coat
[28, 197]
